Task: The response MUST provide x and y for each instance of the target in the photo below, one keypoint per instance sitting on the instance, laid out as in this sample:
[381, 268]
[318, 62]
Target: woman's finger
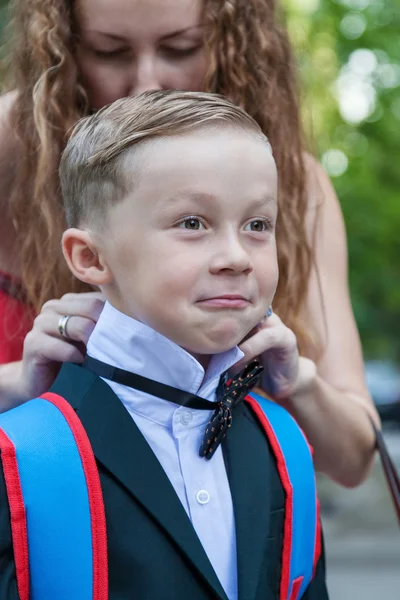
[77, 329]
[272, 321]
[83, 311]
[89, 305]
[266, 339]
[46, 349]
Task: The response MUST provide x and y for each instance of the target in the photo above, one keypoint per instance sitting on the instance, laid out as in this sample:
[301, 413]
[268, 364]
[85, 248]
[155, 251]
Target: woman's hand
[285, 373]
[45, 348]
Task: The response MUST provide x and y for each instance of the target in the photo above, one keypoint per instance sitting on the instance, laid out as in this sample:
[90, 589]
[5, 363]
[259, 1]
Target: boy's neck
[114, 300]
[127, 344]
[203, 359]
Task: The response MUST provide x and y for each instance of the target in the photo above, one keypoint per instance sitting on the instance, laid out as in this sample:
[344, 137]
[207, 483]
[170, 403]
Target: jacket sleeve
[8, 578]
[317, 589]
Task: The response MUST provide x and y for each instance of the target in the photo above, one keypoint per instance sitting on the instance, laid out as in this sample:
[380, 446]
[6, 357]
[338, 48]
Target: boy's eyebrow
[201, 197]
[263, 201]
[198, 197]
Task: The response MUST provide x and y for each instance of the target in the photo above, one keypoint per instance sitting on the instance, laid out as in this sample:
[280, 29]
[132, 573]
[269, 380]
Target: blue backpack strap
[53, 485]
[296, 470]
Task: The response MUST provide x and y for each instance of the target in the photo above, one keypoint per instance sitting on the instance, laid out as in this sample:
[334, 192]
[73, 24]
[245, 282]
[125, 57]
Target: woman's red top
[16, 319]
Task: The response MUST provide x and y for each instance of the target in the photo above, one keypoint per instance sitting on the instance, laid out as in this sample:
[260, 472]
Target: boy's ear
[84, 258]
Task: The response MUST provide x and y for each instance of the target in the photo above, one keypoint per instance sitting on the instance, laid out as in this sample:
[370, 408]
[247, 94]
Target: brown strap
[389, 469]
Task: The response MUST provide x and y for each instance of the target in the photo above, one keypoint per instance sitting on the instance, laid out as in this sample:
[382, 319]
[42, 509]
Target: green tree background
[349, 57]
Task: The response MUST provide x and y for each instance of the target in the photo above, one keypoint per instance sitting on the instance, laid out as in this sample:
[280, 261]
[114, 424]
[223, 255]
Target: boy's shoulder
[75, 383]
[72, 386]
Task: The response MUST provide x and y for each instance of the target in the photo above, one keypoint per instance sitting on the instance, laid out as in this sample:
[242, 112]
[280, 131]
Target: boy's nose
[231, 257]
[144, 77]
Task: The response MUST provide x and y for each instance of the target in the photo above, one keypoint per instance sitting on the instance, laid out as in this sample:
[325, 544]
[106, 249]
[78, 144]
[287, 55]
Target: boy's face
[192, 250]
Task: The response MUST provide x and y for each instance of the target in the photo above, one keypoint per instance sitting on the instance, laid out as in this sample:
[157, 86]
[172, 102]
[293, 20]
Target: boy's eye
[191, 223]
[257, 225]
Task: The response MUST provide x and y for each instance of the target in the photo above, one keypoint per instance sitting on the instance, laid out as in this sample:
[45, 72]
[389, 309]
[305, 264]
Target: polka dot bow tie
[230, 393]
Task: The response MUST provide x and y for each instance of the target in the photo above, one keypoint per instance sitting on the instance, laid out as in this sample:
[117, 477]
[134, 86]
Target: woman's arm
[45, 349]
[10, 374]
[330, 400]
[334, 407]
[337, 425]
[10, 378]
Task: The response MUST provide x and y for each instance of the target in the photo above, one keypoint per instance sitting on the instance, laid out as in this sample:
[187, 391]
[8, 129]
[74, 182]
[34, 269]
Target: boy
[171, 203]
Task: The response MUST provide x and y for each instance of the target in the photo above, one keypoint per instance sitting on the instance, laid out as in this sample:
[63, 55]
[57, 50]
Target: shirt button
[186, 417]
[203, 497]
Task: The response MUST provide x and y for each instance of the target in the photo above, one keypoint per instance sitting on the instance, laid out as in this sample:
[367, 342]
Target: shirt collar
[128, 344]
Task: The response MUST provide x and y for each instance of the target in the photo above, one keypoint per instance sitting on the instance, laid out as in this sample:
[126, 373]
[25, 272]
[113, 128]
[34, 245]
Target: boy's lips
[225, 301]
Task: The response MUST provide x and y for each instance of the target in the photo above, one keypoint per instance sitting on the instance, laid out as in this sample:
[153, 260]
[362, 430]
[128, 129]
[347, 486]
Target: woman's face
[126, 47]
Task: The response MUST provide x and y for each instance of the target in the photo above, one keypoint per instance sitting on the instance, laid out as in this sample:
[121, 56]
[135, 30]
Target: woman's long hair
[250, 63]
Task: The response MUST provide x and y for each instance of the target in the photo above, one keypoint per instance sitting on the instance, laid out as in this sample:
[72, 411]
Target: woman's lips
[224, 302]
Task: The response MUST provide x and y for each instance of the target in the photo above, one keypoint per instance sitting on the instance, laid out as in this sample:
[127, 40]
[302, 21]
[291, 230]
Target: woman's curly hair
[250, 62]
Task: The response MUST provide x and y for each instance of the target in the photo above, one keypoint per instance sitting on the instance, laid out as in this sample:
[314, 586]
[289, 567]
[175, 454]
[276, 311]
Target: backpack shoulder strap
[301, 540]
[56, 504]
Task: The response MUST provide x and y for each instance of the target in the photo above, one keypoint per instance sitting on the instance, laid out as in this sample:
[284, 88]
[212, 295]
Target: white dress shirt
[174, 432]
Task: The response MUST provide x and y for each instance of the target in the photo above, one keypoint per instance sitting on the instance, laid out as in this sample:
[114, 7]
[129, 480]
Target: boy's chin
[215, 343]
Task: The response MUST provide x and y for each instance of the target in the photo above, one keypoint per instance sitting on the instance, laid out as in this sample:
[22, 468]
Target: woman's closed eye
[112, 54]
[180, 53]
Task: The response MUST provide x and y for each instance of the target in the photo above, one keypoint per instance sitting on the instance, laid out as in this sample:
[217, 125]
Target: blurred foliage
[349, 57]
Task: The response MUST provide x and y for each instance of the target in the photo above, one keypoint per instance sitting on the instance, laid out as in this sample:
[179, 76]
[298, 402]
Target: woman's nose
[145, 76]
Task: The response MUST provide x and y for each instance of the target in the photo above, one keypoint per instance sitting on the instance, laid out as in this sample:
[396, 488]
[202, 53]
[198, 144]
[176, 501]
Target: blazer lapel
[120, 446]
[247, 458]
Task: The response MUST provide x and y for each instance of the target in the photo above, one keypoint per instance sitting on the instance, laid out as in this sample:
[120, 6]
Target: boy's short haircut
[93, 170]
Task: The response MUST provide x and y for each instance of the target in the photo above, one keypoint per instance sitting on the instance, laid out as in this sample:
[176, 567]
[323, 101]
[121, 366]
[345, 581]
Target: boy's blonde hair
[93, 171]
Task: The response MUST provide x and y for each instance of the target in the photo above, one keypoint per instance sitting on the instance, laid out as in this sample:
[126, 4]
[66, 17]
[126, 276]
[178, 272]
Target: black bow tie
[230, 393]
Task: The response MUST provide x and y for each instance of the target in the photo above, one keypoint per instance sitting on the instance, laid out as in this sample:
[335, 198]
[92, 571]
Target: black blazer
[154, 552]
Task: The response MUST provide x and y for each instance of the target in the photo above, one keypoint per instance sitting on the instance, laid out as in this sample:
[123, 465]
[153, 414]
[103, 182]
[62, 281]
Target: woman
[68, 61]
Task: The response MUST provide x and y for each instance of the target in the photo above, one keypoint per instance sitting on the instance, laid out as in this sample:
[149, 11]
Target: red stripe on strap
[96, 503]
[318, 539]
[296, 588]
[18, 515]
[287, 486]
